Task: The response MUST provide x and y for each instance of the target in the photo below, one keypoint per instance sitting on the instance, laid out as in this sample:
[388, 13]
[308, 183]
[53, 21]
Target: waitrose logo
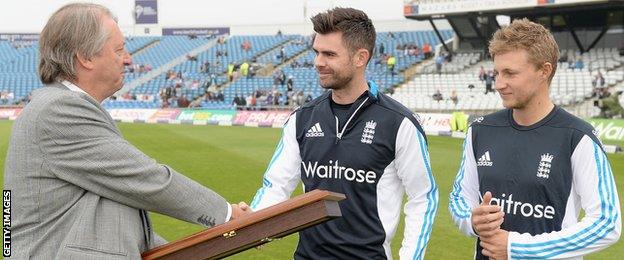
[609, 129]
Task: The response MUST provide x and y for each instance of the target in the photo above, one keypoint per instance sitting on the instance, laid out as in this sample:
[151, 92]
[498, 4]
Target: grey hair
[74, 29]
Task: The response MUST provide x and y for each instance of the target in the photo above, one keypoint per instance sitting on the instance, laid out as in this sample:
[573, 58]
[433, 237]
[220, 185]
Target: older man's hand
[240, 209]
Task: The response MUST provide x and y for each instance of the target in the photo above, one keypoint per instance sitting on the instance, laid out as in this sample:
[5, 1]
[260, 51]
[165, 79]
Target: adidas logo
[315, 131]
[485, 159]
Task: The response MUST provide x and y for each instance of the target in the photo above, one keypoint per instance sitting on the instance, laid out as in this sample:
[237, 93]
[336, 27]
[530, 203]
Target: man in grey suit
[80, 190]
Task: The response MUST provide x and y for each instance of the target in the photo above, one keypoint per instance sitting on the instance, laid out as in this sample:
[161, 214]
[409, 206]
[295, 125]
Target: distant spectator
[279, 33]
[412, 50]
[220, 96]
[276, 78]
[610, 105]
[380, 60]
[242, 101]
[282, 54]
[391, 64]
[598, 81]
[126, 96]
[236, 100]
[246, 45]
[212, 80]
[169, 92]
[183, 101]
[205, 68]
[579, 65]
[221, 53]
[437, 96]
[482, 74]
[4, 98]
[230, 72]
[191, 57]
[448, 57]
[195, 103]
[439, 61]
[251, 100]
[165, 104]
[252, 72]
[290, 84]
[244, 69]
[284, 99]
[426, 50]
[279, 78]
[170, 75]
[194, 84]
[382, 49]
[276, 98]
[454, 97]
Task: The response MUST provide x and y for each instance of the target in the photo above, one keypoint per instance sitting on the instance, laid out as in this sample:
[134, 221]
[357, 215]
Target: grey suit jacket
[80, 190]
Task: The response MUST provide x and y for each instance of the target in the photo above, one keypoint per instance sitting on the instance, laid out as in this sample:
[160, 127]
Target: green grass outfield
[231, 161]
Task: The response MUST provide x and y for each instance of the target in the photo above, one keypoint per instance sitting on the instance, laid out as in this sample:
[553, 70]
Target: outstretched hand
[240, 209]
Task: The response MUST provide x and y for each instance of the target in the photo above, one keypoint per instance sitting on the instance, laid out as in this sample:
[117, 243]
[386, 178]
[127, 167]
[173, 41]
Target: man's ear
[84, 62]
[546, 70]
[361, 57]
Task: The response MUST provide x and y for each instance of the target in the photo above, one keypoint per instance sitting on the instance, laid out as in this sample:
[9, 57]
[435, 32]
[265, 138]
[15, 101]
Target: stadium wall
[437, 124]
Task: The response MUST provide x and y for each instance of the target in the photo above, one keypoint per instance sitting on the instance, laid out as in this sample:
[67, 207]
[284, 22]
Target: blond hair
[534, 38]
[74, 29]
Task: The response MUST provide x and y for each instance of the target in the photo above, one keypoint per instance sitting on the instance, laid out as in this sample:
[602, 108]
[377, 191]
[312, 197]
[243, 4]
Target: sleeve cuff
[229, 212]
[471, 231]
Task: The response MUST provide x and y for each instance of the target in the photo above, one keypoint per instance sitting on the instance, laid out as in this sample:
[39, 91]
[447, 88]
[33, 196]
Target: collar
[373, 89]
[72, 87]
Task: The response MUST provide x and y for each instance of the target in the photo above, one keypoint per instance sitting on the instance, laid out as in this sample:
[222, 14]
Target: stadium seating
[459, 62]
[133, 44]
[570, 85]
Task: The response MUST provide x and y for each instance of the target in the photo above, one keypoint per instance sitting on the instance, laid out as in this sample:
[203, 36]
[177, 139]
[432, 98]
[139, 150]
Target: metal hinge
[230, 234]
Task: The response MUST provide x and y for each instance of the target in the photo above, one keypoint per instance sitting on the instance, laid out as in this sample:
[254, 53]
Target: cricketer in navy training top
[528, 170]
[357, 141]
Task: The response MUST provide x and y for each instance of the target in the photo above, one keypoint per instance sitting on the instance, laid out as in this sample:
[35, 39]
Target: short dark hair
[357, 29]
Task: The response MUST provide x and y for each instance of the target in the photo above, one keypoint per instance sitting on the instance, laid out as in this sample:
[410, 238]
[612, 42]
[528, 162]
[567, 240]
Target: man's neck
[349, 93]
[533, 112]
[88, 88]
